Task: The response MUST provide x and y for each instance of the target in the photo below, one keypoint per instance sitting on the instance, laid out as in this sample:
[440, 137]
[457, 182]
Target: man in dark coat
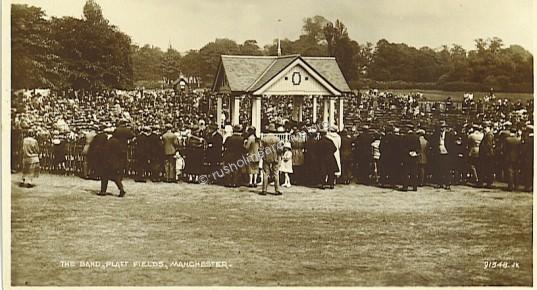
[459, 161]
[511, 150]
[364, 156]
[214, 150]
[111, 161]
[346, 157]
[142, 153]
[311, 160]
[411, 145]
[95, 153]
[233, 151]
[124, 135]
[327, 160]
[441, 147]
[156, 154]
[486, 157]
[389, 167]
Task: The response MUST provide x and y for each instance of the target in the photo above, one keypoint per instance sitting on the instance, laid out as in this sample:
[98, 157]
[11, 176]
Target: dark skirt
[194, 161]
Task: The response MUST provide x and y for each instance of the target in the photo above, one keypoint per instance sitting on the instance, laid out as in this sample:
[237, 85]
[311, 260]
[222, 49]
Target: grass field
[353, 235]
[434, 95]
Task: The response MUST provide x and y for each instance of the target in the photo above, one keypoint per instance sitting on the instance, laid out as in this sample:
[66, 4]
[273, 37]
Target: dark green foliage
[90, 53]
[68, 52]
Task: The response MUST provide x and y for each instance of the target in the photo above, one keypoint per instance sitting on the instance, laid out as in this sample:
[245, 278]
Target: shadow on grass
[97, 193]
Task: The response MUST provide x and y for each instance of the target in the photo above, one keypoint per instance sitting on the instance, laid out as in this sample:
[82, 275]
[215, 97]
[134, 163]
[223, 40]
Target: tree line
[90, 53]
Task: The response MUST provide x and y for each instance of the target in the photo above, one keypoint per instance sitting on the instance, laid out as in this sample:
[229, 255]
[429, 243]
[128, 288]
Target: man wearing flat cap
[512, 153]
[271, 148]
[171, 145]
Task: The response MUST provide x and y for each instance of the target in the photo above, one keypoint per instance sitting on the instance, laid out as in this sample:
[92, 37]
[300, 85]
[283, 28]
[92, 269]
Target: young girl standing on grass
[287, 164]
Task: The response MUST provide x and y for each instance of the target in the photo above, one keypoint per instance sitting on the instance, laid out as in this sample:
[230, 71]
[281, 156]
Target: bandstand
[257, 77]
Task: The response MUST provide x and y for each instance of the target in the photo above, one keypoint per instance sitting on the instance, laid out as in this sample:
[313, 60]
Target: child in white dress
[287, 164]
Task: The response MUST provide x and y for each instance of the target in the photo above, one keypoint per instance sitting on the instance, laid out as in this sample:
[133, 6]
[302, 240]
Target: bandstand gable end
[297, 79]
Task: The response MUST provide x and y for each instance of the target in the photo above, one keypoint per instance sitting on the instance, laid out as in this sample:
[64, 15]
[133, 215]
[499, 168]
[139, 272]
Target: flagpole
[279, 35]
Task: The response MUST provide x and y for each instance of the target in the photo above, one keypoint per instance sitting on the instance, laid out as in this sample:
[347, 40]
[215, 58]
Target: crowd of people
[390, 140]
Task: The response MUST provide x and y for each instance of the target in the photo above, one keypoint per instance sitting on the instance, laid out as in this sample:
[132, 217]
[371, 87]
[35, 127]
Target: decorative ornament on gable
[296, 78]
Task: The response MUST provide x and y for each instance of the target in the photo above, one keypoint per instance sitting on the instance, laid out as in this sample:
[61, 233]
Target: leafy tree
[171, 65]
[147, 62]
[313, 28]
[96, 55]
[33, 62]
[250, 47]
[210, 56]
[93, 13]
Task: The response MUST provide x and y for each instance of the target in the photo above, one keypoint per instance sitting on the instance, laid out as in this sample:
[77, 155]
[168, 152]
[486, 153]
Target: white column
[235, 110]
[219, 110]
[256, 114]
[301, 110]
[325, 109]
[314, 109]
[297, 108]
[340, 123]
[332, 111]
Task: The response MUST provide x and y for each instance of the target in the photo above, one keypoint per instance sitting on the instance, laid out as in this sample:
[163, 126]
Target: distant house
[186, 83]
[181, 84]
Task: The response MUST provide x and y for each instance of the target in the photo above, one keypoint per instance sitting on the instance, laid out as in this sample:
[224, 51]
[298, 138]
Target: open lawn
[353, 235]
[435, 95]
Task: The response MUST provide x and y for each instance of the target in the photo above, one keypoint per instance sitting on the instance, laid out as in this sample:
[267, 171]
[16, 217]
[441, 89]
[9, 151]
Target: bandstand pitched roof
[246, 74]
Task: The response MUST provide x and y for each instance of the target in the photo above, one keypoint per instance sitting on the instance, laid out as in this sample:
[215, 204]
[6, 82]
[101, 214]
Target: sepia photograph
[271, 143]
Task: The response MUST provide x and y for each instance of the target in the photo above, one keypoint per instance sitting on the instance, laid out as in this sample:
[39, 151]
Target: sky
[190, 24]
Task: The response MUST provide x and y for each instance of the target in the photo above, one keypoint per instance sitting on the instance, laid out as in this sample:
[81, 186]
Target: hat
[333, 128]
[442, 124]
[109, 130]
[487, 124]
[237, 128]
[529, 127]
[287, 145]
[507, 124]
[420, 131]
[281, 129]
[168, 126]
[272, 127]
